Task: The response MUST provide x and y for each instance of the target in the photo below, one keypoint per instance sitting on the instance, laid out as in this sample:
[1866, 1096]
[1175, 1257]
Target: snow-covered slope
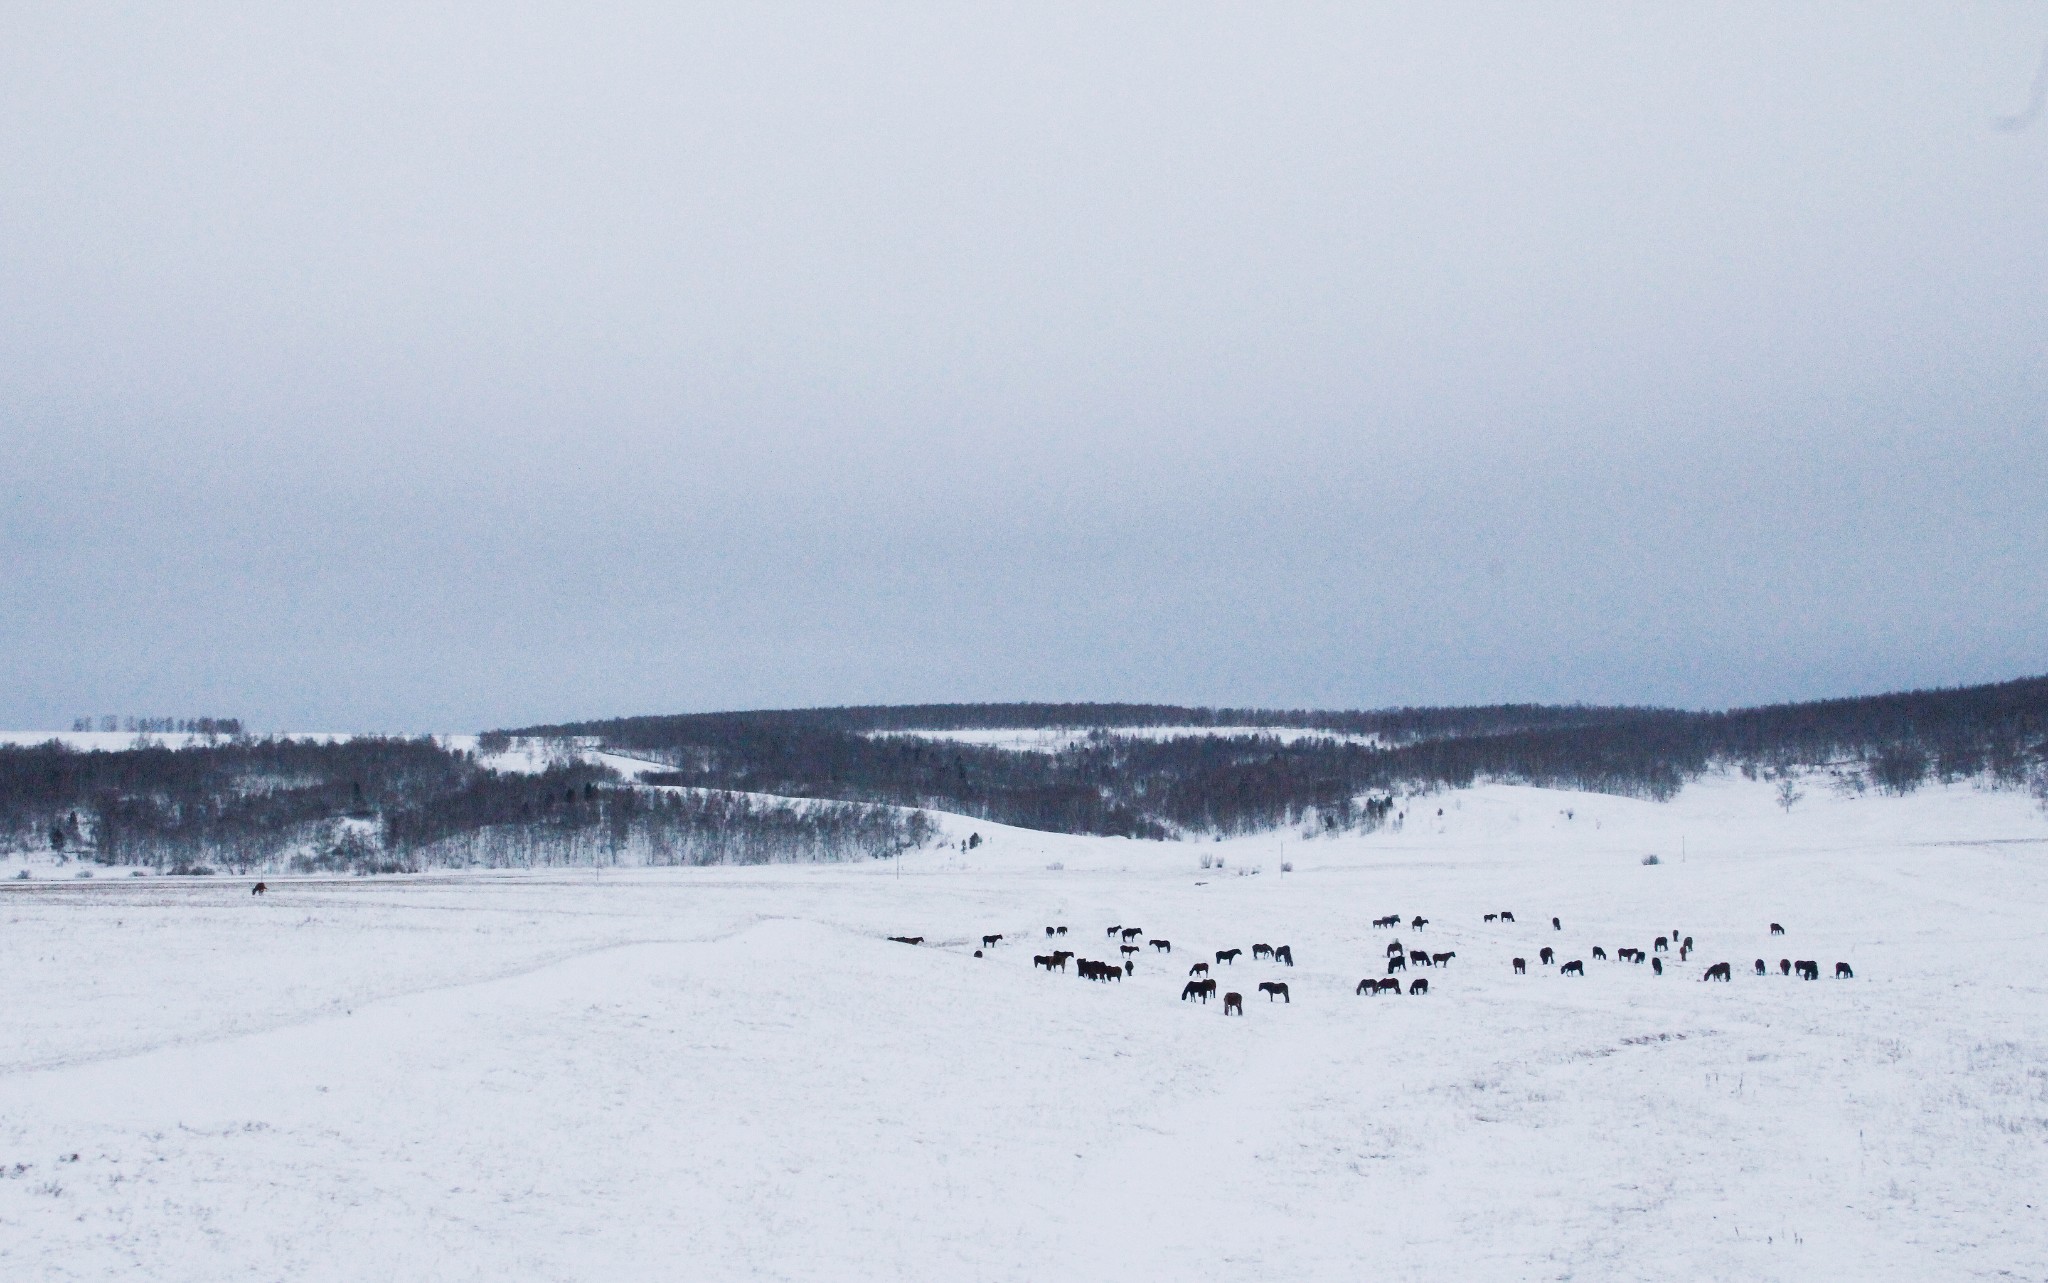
[732, 1073]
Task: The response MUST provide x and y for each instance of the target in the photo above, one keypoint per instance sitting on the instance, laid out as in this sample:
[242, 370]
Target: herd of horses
[1201, 985]
[1807, 969]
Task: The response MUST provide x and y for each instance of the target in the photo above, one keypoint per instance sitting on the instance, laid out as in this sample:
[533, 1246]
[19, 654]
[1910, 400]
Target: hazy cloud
[451, 365]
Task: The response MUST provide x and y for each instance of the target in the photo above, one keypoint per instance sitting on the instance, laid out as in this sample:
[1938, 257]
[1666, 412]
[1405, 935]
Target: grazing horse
[1546, 955]
[1657, 965]
[908, 939]
[1662, 945]
[1275, 989]
[1418, 986]
[1521, 966]
[1493, 917]
[1807, 969]
[1761, 969]
[1683, 950]
[1285, 953]
[1441, 959]
[1572, 968]
[1396, 964]
[1391, 986]
[1686, 944]
[1060, 930]
[1418, 924]
[1233, 1002]
[1162, 946]
[1418, 957]
[1262, 951]
[1367, 986]
[1777, 930]
[1784, 966]
[1505, 916]
[1132, 933]
[1227, 955]
[1395, 950]
[1199, 969]
[1719, 971]
[989, 942]
[1843, 972]
[1599, 953]
[1191, 991]
[258, 889]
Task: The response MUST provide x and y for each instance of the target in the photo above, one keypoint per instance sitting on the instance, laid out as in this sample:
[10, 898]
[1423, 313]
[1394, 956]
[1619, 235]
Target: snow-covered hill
[732, 1073]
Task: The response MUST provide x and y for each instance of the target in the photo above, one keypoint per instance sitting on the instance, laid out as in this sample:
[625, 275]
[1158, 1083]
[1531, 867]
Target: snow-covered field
[732, 1073]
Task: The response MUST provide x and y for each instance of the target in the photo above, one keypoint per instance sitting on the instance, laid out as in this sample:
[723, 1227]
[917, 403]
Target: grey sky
[442, 366]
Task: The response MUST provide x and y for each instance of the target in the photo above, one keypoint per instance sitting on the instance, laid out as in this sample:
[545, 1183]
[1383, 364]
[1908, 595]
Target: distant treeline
[223, 727]
[381, 805]
[1139, 787]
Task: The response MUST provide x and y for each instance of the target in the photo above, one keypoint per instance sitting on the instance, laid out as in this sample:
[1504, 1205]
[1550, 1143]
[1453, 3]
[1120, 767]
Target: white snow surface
[732, 1073]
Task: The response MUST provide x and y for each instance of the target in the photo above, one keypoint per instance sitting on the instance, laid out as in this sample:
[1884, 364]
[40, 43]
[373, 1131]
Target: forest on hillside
[857, 783]
[1146, 787]
[376, 805]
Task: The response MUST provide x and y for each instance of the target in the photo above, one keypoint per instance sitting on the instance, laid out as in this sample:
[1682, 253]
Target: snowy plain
[732, 1073]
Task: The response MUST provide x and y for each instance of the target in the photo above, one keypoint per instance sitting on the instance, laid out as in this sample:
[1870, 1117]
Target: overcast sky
[442, 366]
